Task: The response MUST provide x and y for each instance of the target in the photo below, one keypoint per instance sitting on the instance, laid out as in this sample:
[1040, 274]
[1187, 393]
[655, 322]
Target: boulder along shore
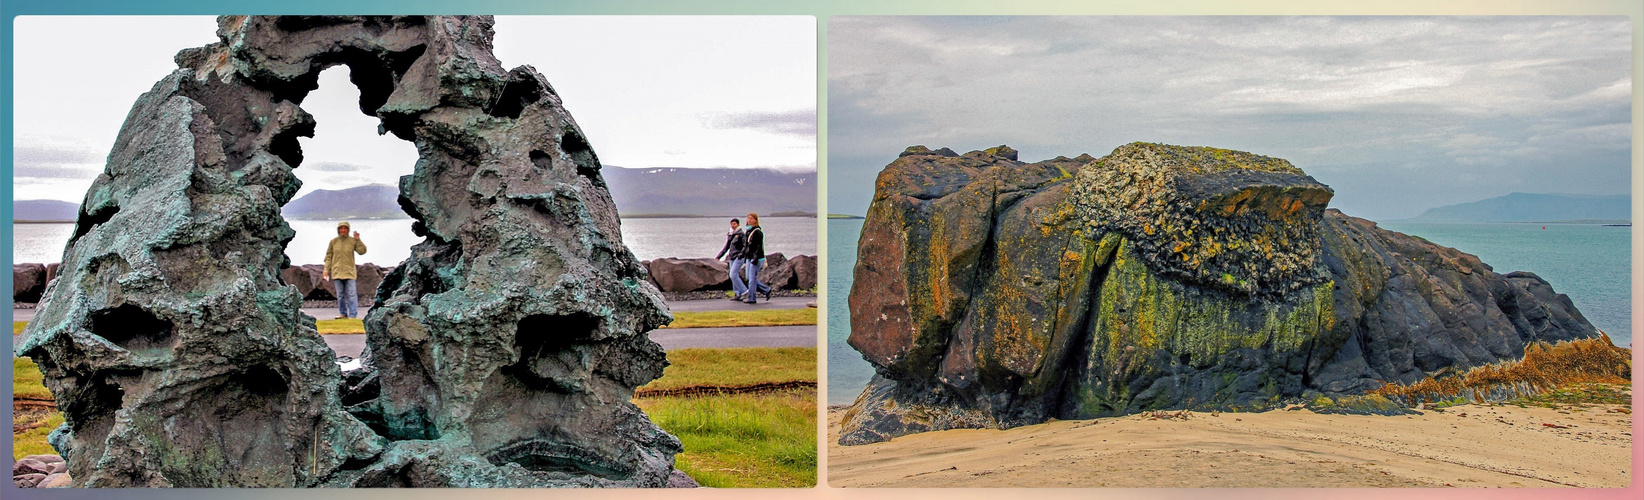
[991, 293]
[677, 278]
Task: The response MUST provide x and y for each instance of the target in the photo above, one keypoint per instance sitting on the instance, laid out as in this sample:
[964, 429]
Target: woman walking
[735, 241]
[754, 254]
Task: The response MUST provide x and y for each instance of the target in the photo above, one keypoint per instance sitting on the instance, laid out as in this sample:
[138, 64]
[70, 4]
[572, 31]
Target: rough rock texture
[776, 274]
[28, 282]
[674, 275]
[804, 272]
[689, 275]
[502, 353]
[994, 293]
[39, 471]
[310, 282]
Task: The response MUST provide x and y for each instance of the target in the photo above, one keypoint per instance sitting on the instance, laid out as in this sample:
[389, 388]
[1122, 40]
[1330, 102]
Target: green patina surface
[1143, 318]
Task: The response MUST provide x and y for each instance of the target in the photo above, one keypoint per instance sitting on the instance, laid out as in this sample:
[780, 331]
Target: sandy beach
[1469, 446]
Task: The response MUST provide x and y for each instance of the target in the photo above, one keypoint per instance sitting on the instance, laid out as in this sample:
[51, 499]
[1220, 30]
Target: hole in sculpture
[132, 328]
[87, 220]
[349, 173]
[554, 353]
[517, 93]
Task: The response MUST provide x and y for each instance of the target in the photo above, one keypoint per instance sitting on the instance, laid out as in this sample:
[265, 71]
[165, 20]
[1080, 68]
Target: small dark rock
[678, 479]
[28, 281]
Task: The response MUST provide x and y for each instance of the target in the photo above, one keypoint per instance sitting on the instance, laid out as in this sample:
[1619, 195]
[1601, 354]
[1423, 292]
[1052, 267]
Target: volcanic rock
[502, 353]
[28, 282]
[29, 466]
[992, 293]
[306, 278]
[58, 480]
[688, 275]
[51, 271]
[804, 271]
[776, 274]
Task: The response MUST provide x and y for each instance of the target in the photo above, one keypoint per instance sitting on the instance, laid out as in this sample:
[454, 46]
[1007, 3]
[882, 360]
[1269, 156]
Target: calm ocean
[389, 241]
[1590, 263]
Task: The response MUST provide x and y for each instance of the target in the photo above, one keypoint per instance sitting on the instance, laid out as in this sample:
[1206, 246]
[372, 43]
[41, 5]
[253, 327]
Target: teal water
[848, 373]
[1590, 263]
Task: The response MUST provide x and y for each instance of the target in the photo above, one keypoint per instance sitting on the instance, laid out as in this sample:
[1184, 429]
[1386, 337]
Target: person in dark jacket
[732, 253]
[754, 252]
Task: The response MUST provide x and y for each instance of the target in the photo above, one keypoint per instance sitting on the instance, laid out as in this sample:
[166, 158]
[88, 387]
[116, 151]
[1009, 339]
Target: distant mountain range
[1528, 207]
[638, 192]
[375, 201]
[710, 191]
[44, 211]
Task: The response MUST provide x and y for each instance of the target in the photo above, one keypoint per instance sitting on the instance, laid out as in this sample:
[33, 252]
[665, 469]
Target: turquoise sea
[1590, 263]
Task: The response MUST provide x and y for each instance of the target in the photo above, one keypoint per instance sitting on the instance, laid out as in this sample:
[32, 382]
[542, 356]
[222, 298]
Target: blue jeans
[737, 284]
[754, 286]
[348, 299]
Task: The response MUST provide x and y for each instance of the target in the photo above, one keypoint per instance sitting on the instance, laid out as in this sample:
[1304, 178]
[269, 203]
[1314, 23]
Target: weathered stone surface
[994, 293]
[58, 480]
[688, 275]
[309, 280]
[678, 479]
[1213, 217]
[27, 480]
[306, 278]
[28, 282]
[51, 272]
[804, 271]
[502, 353]
[45, 459]
[776, 273]
[29, 466]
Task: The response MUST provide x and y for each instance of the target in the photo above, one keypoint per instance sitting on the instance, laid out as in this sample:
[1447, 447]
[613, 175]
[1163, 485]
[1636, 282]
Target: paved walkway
[674, 305]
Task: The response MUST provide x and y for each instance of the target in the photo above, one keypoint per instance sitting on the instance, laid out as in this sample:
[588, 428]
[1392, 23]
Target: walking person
[339, 268]
[732, 253]
[754, 253]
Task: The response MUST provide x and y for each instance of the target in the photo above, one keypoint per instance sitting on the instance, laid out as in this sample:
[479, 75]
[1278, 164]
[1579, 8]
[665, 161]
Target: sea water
[388, 241]
[1590, 263]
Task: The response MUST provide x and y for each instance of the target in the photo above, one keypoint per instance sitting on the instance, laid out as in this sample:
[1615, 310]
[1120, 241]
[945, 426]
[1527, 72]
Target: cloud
[331, 166]
[41, 159]
[1417, 103]
[800, 122]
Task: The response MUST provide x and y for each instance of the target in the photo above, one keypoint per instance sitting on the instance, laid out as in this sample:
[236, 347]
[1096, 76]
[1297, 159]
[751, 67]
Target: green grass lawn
[17, 327]
[743, 440]
[736, 366]
[25, 380]
[762, 317]
[25, 383]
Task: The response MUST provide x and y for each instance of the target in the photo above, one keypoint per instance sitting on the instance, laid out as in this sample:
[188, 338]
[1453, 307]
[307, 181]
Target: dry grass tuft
[1544, 368]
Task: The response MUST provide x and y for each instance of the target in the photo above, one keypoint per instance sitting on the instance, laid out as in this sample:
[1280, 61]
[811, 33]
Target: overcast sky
[1397, 114]
[648, 91]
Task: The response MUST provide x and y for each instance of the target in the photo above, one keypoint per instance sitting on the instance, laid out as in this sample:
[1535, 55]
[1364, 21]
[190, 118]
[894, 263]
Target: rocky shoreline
[677, 279]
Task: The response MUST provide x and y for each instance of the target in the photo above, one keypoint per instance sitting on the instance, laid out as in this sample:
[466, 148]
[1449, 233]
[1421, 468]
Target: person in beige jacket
[339, 268]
